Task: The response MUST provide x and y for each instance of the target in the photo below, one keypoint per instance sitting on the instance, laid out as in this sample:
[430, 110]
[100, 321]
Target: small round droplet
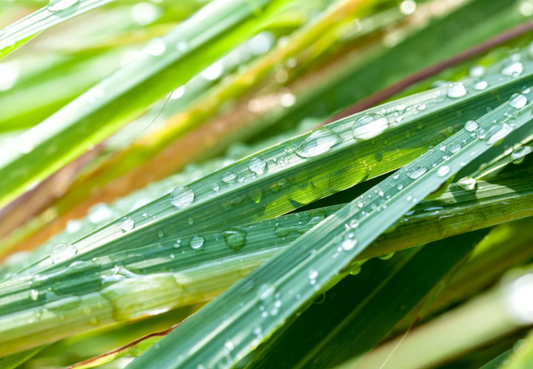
[456, 90]
[481, 133]
[417, 172]
[156, 47]
[228, 177]
[257, 165]
[467, 183]
[318, 142]
[34, 295]
[196, 242]
[235, 238]
[369, 126]
[62, 252]
[190, 221]
[471, 125]
[444, 170]
[520, 152]
[313, 274]
[58, 5]
[349, 241]
[455, 147]
[181, 197]
[512, 68]
[518, 101]
[127, 224]
[480, 84]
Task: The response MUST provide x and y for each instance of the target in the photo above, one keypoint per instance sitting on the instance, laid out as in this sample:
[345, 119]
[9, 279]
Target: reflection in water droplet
[62, 252]
[444, 170]
[471, 125]
[369, 126]
[196, 242]
[318, 143]
[257, 165]
[181, 197]
[512, 68]
[57, 5]
[518, 101]
[235, 238]
[456, 90]
[127, 224]
[480, 84]
[498, 132]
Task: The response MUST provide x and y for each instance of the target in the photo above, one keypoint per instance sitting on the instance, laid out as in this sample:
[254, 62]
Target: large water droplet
[512, 68]
[57, 5]
[62, 252]
[349, 241]
[228, 177]
[498, 132]
[181, 197]
[127, 224]
[518, 101]
[455, 147]
[480, 84]
[467, 183]
[520, 152]
[444, 170]
[196, 242]
[417, 172]
[471, 125]
[369, 126]
[257, 165]
[156, 47]
[456, 90]
[235, 238]
[318, 143]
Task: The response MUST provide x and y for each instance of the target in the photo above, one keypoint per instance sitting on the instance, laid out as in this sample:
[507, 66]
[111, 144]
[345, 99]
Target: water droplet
[471, 125]
[467, 183]
[34, 295]
[196, 242]
[177, 243]
[181, 197]
[62, 252]
[156, 47]
[235, 238]
[456, 90]
[520, 152]
[57, 5]
[354, 223]
[455, 147]
[444, 170]
[408, 7]
[127, 224]
[512, 68]
[417, 172]
[349, 241]
[257, 165]
[369, 126]
[480, 84]
[181, 46]
[498, 132]
[228, 177]
[399, 187]
[477, 71]
[518, 101]
[318, 143]
[213, 72]
[190, 221]
[481, 133]
[287, 100]
[313, 274]
[229, 345]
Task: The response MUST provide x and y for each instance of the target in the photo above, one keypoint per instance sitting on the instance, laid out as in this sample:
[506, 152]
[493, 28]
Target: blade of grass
[322, 252]
[103, 109]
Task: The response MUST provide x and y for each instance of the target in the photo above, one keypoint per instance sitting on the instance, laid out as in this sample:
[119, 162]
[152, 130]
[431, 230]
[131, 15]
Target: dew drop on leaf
[349, 241]
[257, 166]
[520, 152]
[34, 295]
[480, 84]
[512, 68]
[235, 238]
[455, 147]
[228, 177]
[57, 5]
[444, 170]
[62, 252]
[467, 183]
[156, 47]
[181, 197]
[127, 224]
[498, 132]
[318, 143]
[471, 125]
[456, 90]
[417, 172]
[518, 101]
[196, 242]
[369, 126]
